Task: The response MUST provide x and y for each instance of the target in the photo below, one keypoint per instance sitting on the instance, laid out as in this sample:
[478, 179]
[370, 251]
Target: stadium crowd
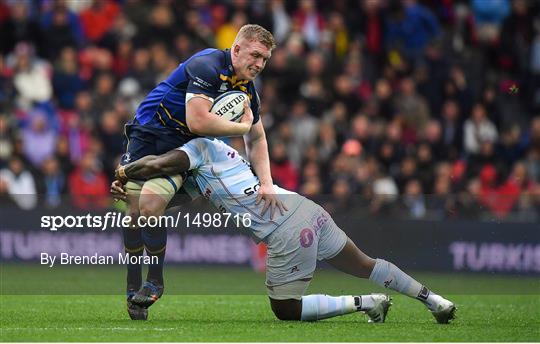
[423, 109]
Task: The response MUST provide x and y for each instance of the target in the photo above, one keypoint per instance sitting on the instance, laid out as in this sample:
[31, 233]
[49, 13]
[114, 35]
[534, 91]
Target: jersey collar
[228, 61]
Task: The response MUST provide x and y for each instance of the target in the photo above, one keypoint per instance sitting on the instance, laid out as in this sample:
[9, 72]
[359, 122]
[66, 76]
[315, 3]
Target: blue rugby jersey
[209, 72]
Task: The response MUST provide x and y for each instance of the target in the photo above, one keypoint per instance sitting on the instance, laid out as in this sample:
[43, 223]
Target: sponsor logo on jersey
[306, 237]
[319, 222]
[201, 82]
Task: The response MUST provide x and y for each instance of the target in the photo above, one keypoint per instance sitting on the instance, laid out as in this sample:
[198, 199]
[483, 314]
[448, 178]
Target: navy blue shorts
[142, 140]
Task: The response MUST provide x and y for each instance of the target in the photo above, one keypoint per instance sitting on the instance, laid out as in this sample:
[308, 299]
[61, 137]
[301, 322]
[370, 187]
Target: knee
[367, 264]
[286, 310]
[285, 315]
[133, 212]
[151, 206]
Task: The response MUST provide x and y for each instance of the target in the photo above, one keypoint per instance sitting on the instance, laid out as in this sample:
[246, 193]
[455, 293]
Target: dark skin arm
[170, 163]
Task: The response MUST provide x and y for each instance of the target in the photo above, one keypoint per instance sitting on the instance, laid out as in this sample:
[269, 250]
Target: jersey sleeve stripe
[160, 118]
[171, 117]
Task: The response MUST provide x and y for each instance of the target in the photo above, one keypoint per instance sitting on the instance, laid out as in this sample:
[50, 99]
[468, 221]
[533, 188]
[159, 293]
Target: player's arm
[201, 122]
[257, 149]
[171, 163]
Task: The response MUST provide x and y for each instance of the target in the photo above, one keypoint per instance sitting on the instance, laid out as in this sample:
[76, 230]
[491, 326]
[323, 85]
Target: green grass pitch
[229, 304]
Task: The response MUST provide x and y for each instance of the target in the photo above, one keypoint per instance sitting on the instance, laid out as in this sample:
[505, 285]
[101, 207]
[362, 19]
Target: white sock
[432, 300]
[366, 302]
[317, 307]
[388, 275]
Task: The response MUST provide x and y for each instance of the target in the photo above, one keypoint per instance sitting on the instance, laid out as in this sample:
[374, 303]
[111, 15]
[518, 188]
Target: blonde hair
[254, 32]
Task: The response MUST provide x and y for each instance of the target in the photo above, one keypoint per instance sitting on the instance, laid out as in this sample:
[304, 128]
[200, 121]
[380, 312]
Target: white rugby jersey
[225, 178]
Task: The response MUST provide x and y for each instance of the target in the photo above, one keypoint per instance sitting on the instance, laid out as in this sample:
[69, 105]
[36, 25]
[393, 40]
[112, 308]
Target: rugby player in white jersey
[295, 238]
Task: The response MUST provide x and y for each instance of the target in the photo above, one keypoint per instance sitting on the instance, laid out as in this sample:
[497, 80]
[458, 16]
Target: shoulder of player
[208, 58]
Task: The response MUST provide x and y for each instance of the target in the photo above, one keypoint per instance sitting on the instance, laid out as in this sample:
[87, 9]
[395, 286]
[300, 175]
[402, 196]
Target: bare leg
[353, 261]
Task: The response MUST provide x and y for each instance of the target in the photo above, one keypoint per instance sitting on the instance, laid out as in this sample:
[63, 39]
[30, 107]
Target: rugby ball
[230, 105]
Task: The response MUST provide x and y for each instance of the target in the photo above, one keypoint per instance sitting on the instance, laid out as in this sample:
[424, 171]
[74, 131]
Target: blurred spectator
[478, 129]
[97, 19]
[407, 172]
[385, 190]
[227, 32]
[411, 28]
[305, 129]
[413, 107]
[384, 97]
[18, 183]
[62, 29]
[183, 47]
[467, 205]
[7, 91]
[426, 167]
[345, 92]
[39, 140]
[310, 21]
[63, 156]
[111, 135]
[499, 200]
[452, 129]
[488, 17]
[19, 27]
[432, 136]
[441, 204]
[123, 58]
[160, 26]
[281, 20]
[66, 80]
[510, 147]
[53, 183]
[7, 138]
[83, 105]
[141, 70]
[31, 77]
[284, 173]
[414, 200]
[198, 30]
[327, 142]
[372, 28]
[137, 11]
[342, 196]
[88, 185]
[337, 33]
[103, 97]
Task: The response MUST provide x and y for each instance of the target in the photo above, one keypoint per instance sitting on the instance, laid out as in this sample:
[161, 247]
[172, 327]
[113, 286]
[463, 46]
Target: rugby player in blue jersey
[295, 239]
[172, 114]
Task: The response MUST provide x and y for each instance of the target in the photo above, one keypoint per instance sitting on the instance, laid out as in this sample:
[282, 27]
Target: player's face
[250, 59]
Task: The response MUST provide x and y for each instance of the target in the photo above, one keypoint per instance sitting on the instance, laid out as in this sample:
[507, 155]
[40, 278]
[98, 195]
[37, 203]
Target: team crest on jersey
[223, 87]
